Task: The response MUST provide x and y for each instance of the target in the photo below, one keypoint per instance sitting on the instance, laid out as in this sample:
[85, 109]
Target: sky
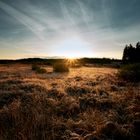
[67, 28]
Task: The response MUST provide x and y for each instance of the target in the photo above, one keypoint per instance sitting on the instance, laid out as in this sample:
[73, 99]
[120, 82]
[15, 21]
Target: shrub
[41, 70]
[110, 130]
[60, 67]
[76, 91]
[6, 99]
[35, 67]
[130, 72]
[87, 102]
[38, 69]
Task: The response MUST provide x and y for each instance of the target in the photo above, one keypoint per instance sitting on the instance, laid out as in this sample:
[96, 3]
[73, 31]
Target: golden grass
[86, 103]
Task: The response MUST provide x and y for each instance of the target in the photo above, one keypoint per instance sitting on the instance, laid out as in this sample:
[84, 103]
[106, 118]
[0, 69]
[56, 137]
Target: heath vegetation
[38, 69]
[130, 72]
[84, 104]
[60, 67]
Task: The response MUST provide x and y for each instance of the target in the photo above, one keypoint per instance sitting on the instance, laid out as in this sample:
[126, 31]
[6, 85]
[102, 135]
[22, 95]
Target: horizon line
[59, 57]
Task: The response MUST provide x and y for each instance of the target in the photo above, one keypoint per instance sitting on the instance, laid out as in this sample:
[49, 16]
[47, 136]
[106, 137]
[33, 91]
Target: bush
[60, 67]
[6, 99]
[38, 69]
[41, 70]
[130, 72]
[35, 67]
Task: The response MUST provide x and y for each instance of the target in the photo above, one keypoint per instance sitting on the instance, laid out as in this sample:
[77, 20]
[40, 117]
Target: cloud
[40, 25]
[24, 19]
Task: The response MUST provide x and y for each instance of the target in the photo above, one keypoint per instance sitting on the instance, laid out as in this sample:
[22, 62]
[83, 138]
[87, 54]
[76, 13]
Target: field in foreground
[87, 103]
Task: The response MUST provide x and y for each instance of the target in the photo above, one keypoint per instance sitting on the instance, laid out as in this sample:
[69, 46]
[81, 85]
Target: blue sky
[72, 28]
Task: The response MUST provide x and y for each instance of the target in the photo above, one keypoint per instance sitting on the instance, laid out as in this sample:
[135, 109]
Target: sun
[71, 56]
[71, 60]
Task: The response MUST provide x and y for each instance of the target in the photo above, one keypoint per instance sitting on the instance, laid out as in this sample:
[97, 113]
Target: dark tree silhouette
[125, 53]
[138, 51]
[131, 54]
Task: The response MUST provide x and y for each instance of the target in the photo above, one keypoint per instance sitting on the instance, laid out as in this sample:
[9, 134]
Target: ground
[87, 103]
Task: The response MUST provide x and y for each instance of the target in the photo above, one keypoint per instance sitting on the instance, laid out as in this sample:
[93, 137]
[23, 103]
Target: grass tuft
[130, 72]
[38, 69]
[60, 67]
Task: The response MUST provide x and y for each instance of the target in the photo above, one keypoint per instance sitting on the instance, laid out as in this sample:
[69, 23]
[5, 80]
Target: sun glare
[72, 48]
[71, 57]
[71, 61]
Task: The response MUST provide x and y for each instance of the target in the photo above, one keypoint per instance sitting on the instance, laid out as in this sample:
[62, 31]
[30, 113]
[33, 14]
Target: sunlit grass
[86, 103]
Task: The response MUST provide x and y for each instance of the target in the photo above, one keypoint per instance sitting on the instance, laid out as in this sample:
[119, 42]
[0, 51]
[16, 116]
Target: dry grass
[85, 104]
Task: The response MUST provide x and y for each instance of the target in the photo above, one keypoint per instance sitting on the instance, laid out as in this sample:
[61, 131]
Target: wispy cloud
[30, 23]
[104, 24]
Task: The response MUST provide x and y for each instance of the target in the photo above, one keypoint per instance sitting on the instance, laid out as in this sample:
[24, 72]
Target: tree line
[131, 54]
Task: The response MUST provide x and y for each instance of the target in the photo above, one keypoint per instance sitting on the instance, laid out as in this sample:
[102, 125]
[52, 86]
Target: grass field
[87, 103]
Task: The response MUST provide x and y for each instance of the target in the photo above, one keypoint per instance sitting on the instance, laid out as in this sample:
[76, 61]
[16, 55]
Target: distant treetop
[131, 54]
